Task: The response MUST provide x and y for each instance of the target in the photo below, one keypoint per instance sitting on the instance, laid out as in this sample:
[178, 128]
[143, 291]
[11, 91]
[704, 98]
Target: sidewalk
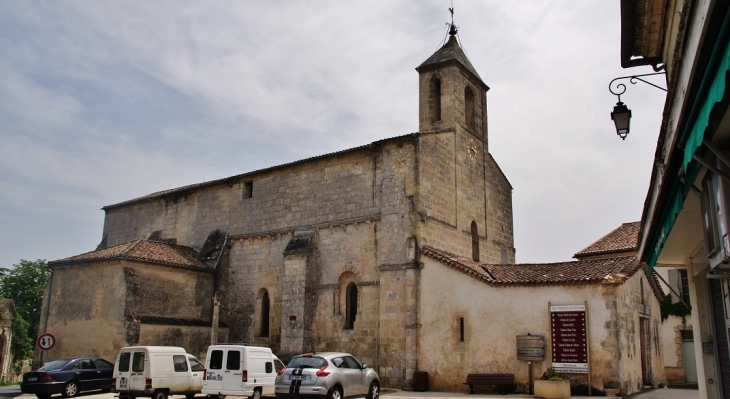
[671, 393]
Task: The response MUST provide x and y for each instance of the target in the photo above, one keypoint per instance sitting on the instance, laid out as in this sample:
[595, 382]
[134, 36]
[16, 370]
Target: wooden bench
[488, 379]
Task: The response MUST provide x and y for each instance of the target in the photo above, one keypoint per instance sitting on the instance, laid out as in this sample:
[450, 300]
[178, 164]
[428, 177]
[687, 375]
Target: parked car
[331, 375]
[156, 372]
[68, 377]
[239, 370]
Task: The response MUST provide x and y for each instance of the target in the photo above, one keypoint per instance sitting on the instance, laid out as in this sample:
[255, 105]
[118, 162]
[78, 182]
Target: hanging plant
[677, 309]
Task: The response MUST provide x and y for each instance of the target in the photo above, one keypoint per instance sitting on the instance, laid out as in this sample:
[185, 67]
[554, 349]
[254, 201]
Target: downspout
[49, 289]
[216, 299]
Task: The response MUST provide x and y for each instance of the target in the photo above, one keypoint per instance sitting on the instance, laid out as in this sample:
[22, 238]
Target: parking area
[397, 394]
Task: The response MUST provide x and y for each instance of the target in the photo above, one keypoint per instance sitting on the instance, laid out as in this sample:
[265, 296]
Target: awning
[672, 206]
[712, 89]
[711, 92]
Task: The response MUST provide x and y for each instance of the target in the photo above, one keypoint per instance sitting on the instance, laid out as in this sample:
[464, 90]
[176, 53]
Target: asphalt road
[14, 391]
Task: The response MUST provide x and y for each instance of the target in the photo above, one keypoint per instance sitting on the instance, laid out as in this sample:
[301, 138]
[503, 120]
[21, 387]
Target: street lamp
[621, 114]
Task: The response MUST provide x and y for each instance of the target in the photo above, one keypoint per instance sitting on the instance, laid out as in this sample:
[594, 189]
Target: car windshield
[307, 362]
[54, 365]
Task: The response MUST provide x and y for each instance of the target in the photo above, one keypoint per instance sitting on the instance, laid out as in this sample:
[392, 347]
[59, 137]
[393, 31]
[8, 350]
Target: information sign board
[530, 347]
[570, 349]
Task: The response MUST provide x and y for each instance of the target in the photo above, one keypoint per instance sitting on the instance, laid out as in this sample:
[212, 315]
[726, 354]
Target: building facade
[323, 253]
[684, 223]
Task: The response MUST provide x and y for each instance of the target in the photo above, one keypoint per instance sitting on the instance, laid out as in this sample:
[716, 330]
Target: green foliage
[676, 309]
[24, 284]
[23, 342]
[550, 375]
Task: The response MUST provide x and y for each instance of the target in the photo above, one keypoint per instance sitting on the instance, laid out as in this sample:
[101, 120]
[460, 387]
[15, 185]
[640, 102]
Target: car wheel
[256, 394]
[159, 394]
[374, 391]
[43, 395]
[71, 389]
[335, 393]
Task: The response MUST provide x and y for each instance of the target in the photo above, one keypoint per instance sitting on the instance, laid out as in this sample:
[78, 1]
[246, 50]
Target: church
[400, 252]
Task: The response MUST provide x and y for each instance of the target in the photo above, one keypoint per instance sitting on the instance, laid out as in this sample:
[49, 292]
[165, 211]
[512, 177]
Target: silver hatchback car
[330, 375]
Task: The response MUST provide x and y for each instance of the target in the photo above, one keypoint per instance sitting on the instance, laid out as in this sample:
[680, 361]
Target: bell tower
[451, 92]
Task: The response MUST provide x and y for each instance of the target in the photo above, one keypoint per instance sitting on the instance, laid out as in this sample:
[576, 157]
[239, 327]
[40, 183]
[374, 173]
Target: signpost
[531, 348]
[570, 343]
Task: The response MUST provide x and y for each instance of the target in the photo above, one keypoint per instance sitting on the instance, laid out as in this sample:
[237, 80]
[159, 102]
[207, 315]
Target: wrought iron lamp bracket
[620, 88]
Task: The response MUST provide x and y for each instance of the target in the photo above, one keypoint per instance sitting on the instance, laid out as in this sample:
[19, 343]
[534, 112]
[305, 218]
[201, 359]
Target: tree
[24, 284]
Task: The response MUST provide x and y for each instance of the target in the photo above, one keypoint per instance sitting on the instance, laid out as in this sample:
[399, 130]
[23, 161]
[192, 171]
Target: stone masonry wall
[122, 293]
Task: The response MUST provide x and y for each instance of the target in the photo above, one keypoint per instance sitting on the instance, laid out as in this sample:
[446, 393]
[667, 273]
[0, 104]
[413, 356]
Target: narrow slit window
[265, 304]
[351, 312]
[436, 99]
[461, 329]
[247, 190]
[474, 242]
[469, 108]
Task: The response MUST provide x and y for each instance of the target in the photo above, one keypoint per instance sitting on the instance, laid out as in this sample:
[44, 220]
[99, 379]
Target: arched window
[436, 100]
[474, 242]
[265, 305]
[351, 312]
[469, 108]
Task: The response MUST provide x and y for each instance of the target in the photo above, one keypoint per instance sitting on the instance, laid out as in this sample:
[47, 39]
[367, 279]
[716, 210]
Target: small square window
[247, 190]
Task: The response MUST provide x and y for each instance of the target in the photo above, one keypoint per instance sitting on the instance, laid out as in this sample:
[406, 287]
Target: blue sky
[101, 102]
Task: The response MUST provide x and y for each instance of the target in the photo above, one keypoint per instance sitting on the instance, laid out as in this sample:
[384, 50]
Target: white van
[240, 370]
[156, 371]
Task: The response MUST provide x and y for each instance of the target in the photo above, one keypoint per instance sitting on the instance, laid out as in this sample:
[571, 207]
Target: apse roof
[142, 251]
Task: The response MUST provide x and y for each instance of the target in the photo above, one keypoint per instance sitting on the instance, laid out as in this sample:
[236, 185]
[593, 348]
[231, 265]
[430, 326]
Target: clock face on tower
[472, 149]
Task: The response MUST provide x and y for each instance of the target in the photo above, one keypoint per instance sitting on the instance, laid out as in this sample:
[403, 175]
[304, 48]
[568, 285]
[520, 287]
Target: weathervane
[453, 30]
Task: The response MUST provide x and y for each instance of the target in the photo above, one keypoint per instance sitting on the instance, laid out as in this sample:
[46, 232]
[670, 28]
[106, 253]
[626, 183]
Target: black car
[68, 377]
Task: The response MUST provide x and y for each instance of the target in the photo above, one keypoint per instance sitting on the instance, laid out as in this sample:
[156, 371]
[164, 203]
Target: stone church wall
[78, 307]
[500, 231]
[125, 298]
[452, 195]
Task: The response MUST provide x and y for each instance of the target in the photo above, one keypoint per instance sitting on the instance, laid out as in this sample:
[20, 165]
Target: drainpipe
[216, 298]
[49, 290]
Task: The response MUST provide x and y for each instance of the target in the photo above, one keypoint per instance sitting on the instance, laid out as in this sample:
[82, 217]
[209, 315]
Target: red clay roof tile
[622, 239]
[141, 250]
[608, 270]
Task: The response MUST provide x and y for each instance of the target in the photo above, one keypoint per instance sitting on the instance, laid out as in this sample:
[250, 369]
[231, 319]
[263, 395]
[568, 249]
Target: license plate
[298, 377]
[32, 379]
[123, 383]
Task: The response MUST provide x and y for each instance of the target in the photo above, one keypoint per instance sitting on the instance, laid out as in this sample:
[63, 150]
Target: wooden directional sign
[530, 347]
[531, 352]
[568, 327]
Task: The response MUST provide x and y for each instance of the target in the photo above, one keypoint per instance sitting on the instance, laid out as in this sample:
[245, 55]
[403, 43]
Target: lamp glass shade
[621, 116]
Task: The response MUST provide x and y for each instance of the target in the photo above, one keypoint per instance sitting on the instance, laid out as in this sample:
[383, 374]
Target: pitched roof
[449, 53]
[623, 238]
[610, 270]
[233, 179]
[142, 251]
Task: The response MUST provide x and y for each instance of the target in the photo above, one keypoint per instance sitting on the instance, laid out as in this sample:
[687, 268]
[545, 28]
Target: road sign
[46, 341]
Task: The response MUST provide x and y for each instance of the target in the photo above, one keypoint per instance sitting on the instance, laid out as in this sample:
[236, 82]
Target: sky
[101, 102]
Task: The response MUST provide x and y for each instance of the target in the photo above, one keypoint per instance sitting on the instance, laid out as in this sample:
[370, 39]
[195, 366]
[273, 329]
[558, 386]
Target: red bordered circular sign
[46, 341]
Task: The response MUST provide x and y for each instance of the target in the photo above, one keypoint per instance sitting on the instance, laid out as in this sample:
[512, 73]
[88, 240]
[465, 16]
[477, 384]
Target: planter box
[552, 389]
